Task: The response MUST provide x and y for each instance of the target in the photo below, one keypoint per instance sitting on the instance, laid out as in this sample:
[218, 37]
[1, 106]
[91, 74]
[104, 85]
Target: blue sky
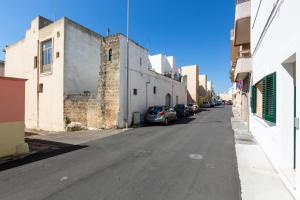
[194, 31]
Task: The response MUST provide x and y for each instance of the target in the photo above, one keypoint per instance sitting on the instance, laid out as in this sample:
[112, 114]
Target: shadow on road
[40, 149]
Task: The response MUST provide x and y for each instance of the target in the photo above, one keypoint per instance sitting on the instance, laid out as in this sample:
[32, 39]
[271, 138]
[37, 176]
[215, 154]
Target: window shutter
[269, 98]
[253, 99]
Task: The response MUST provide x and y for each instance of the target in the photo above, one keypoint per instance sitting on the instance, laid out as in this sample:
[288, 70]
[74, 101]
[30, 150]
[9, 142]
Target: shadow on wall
[189, 98]
[40, 149]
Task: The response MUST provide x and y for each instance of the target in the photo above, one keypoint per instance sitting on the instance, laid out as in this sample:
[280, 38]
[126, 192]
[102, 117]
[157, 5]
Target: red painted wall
[12, 99]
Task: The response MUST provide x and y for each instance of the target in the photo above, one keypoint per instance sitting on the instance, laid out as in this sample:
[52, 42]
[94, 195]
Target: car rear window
[155, 109]
[180, 106]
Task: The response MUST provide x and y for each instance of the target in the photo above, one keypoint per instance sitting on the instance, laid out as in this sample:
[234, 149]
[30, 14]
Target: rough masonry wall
[108, 87]
[75, 108]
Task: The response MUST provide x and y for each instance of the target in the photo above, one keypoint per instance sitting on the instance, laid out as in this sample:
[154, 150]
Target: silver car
[160, 114]
[206, 104]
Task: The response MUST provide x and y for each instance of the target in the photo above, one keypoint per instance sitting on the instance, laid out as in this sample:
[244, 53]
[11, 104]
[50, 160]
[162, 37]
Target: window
[263, 98]
[46, 56]
[57, 54]
[135, 92]
[154, 90]
[140, 61]
[110, 55]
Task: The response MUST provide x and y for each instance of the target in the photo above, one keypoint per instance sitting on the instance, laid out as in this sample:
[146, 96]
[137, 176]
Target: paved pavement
[259, 179]
[76, 137]
[192, 159]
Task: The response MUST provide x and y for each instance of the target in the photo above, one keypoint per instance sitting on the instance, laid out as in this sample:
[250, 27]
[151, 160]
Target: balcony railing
[241, 1]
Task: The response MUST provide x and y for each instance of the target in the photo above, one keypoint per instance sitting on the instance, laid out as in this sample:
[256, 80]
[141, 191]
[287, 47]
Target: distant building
[2, 68]
[203, 94]
[75, 74]
[192, 77]
[211, 91]
[165, 65]
[224, 96]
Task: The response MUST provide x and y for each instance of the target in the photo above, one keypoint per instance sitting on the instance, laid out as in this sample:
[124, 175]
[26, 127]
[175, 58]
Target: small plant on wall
[67, 121]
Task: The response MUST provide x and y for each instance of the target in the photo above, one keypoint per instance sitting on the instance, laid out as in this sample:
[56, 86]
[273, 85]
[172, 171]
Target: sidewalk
[76, 137]
[259, 179]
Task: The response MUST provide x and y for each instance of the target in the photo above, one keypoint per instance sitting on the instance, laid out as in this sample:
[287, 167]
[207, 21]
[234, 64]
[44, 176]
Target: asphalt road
[193, 159]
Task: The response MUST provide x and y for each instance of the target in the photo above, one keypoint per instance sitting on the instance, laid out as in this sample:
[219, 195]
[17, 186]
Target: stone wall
[75, 108]
[109, 82]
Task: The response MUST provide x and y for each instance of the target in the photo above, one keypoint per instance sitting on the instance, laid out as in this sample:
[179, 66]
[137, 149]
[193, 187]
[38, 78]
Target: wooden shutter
[269, 98]
[253, 99]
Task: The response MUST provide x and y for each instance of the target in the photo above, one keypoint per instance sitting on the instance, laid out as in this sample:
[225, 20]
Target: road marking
[196, 156]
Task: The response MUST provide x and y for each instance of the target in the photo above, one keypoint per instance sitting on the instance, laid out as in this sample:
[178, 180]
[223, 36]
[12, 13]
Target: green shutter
[269, 98]
[253, 99]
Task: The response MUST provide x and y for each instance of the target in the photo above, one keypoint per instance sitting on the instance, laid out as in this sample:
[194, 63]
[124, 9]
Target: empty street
[193, 158]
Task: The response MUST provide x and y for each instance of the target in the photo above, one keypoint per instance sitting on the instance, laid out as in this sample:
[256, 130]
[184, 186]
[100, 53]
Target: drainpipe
[37, 85]
[148, 82]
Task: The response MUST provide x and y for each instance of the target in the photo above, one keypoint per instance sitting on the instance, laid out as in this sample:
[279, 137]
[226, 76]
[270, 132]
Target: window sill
[46, 73]
[264, 122]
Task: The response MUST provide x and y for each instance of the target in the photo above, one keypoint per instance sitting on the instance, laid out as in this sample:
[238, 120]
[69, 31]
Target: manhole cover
[196, 156]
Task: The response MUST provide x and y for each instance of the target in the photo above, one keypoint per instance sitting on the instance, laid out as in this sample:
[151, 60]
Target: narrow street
[192, 159]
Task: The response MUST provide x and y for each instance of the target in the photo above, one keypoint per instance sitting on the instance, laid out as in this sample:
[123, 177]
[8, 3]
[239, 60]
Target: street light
[127, 66]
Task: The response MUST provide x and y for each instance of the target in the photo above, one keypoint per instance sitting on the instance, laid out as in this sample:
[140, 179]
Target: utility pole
[127, 67]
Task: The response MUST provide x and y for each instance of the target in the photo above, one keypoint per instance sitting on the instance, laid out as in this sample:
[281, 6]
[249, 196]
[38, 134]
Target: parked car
[181, 110]
[206, 104]
[193, 108]
[229, 102]
[212, 104]
[160, 114]
[218, 102]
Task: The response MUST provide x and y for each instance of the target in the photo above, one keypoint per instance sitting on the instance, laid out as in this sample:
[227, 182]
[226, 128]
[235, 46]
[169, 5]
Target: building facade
[191, 76]
[274, 120]
[56, 63]
[241, 62]
[203, 94]
[77, 75]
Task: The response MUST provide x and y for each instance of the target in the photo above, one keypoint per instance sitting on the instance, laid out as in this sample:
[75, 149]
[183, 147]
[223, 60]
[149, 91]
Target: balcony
[243, 68]
[242, 22]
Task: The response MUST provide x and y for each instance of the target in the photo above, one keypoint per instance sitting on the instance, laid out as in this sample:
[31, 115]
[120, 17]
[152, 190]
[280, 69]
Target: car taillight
[162, 113]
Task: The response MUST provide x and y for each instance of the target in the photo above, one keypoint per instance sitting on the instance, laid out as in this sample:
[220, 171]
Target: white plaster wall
[156, 63]
[209, 86]
[298, 115]
[140, 78]
[20, 63]
[82, 59]
[192, 73]
[163, 64]
[203, 81]
[280, 41]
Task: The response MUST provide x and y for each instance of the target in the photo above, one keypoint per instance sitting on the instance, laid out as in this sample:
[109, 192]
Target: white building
[55, 62]
[275, 39]
[191, 75]
[75, 74]
[165, 65]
